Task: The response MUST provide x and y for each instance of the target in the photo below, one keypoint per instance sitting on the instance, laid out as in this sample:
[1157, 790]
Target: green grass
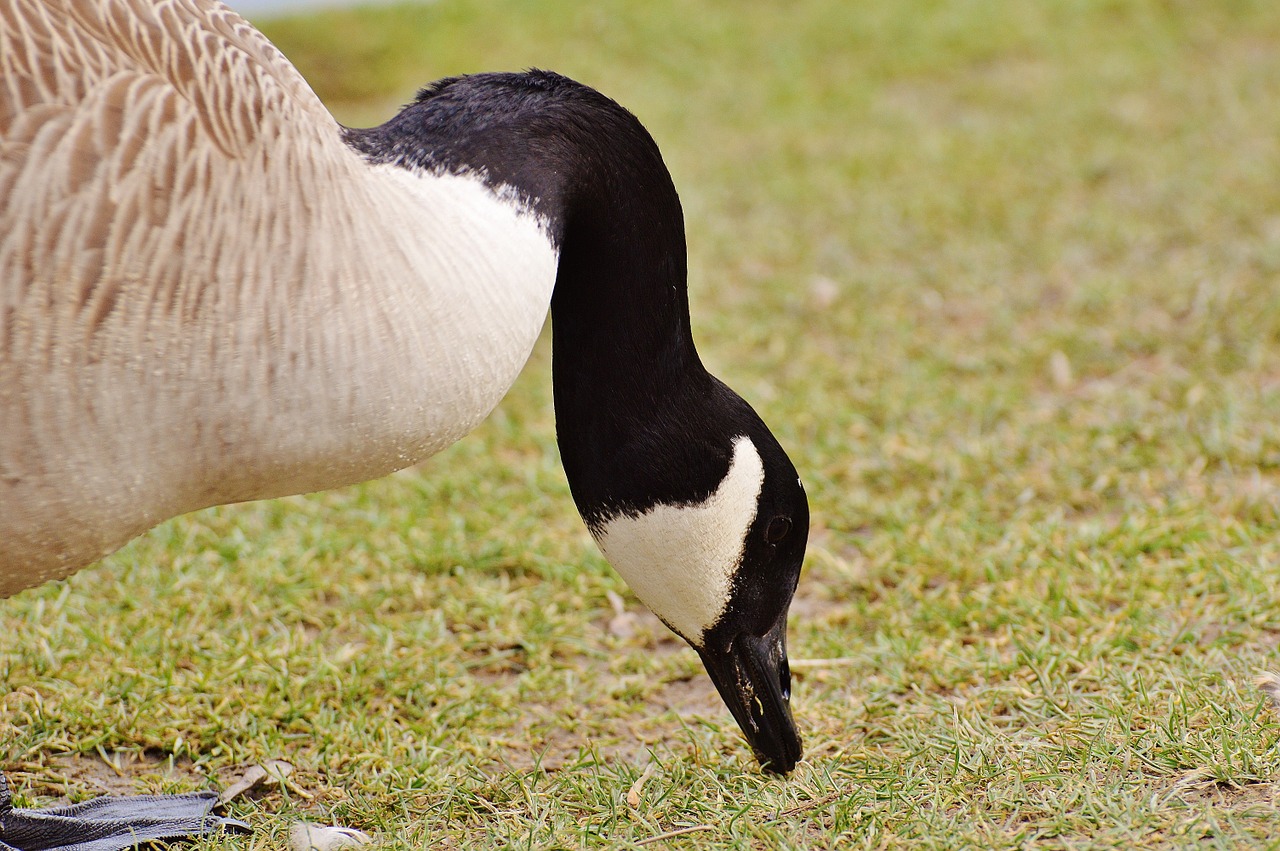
[1003, 278]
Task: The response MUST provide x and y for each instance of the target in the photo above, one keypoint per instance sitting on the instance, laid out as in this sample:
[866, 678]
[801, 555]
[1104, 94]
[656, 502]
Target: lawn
[1003, 278]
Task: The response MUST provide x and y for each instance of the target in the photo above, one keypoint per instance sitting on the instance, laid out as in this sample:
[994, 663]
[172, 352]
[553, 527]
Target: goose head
[703, 514]
[684, 488]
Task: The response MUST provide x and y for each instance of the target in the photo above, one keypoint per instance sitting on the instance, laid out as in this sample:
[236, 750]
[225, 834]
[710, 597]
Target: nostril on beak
[784, 679]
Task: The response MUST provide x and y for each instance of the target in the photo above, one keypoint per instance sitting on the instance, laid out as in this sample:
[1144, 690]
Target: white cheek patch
[680, 559]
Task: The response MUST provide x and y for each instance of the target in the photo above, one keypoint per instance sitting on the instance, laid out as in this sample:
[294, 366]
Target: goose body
[211, 292]
[191, 318]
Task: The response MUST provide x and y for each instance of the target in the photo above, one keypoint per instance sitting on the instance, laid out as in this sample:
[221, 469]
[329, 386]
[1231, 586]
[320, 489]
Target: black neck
[620, 311]
[622, 357]
[623, 352]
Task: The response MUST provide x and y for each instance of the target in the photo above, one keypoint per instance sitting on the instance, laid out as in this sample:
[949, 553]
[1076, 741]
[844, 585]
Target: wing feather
[126, 128]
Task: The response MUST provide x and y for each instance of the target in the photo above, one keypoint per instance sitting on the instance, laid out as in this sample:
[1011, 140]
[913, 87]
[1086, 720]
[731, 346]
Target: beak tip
[782, 763]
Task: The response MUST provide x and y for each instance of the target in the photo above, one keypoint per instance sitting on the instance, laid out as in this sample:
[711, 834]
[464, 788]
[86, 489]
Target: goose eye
[777, 529]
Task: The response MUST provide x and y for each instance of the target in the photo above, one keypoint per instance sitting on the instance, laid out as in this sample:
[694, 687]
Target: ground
[1003, 278]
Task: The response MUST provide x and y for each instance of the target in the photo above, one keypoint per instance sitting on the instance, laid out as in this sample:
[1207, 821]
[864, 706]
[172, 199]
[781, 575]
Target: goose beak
[754, 680]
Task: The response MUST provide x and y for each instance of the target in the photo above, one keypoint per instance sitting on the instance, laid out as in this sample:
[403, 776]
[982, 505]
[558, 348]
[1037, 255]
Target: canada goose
[212, 292]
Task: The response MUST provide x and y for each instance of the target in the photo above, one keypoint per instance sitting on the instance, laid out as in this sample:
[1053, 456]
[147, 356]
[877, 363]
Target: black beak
[754, 680]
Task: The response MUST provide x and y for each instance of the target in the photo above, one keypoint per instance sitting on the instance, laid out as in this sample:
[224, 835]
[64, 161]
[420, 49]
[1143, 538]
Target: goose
[213, 292]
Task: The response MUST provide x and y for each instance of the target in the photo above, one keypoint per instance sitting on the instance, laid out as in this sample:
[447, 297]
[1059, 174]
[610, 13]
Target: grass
[1003, 278]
